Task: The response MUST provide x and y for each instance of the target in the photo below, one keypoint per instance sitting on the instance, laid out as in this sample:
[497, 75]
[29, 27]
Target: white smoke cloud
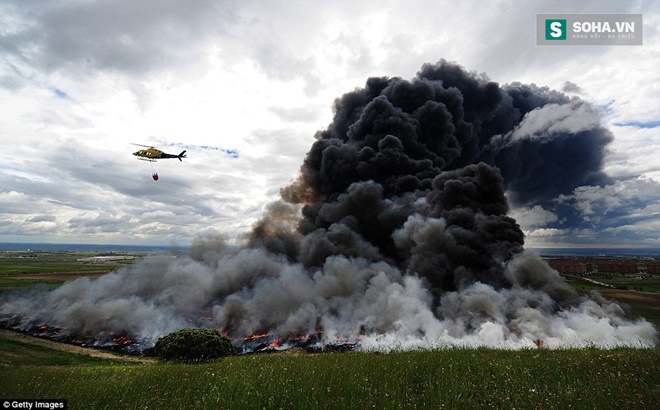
[251, 291]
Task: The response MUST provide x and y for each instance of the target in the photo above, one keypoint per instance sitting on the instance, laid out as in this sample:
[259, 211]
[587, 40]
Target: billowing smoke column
[395, 233]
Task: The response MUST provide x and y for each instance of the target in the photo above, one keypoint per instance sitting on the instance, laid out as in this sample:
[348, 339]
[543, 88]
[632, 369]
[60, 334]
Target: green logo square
[555, 29]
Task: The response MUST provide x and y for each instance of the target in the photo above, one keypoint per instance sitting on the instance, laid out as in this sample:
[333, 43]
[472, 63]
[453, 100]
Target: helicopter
[152, 154]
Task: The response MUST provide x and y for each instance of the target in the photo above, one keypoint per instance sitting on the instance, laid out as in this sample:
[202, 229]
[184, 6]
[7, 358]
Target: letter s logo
[555, 29]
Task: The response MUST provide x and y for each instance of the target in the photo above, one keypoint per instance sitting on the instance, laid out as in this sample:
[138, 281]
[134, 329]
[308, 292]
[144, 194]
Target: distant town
[581, 265]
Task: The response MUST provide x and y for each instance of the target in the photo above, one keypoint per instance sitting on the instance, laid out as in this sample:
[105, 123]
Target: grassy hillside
[452, 378]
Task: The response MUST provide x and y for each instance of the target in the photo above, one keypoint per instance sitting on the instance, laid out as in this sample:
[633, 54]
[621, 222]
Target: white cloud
[634, 152]
[542, 122]
[80, 81]
[533, 218]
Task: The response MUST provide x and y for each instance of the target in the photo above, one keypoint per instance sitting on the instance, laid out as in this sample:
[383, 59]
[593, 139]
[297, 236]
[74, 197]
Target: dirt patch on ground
[651, 299]
[54, 276]
[103, 354]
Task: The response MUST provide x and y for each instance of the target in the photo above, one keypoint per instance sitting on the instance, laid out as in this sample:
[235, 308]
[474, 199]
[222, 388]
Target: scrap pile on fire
[395, 235]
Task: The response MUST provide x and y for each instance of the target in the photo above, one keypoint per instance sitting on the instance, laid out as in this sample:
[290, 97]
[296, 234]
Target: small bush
[193, 345]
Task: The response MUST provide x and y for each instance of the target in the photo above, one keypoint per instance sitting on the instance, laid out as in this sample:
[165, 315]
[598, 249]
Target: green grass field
[451, 378]
[20, 270]
[52, 263]
[16, 353]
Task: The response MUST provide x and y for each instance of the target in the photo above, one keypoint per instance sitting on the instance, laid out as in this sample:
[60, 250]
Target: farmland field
[19, 269]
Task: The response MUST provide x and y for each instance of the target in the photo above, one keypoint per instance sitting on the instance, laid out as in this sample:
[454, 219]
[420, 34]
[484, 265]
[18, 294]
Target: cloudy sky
[243, 86]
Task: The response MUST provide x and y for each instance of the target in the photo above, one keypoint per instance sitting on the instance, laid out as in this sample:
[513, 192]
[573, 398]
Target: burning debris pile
[107, 341]
[311, 342]
[395, 235]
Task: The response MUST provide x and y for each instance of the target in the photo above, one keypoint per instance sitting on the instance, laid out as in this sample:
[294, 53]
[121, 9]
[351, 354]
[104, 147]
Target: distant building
[106, 259]
[618, 267]
[653, 268]
[570, 266]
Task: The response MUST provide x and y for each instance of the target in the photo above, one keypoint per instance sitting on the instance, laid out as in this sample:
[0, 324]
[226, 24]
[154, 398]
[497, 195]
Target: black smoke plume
[396, 232]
